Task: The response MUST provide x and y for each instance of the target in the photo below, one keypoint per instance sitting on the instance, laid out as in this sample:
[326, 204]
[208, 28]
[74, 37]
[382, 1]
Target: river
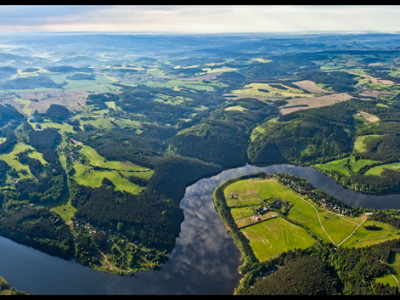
[204, 260]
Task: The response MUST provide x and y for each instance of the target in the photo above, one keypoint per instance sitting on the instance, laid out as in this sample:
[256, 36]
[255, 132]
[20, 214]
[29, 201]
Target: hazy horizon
[200, 19]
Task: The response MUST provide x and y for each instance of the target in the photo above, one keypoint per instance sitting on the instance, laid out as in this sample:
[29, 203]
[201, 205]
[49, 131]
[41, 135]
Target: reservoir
[204, 260]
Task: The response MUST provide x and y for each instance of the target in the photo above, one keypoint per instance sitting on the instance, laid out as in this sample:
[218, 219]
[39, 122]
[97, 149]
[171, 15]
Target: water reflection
[204, 260]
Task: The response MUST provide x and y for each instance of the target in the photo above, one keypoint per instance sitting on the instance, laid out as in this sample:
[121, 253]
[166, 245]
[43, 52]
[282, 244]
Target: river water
[204, 260]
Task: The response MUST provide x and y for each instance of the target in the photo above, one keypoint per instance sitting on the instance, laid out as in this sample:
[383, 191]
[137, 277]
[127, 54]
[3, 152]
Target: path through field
[320, 223]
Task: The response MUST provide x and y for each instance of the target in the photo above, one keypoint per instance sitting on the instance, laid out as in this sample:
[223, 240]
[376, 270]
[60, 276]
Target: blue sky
[200, 18]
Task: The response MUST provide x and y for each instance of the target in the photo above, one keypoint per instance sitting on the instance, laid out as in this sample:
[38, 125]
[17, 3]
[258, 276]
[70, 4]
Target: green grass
[100, 123]
[93, 178]
[63, 127]
[12, 160]
[273, 236]
[342, 167]
[259, 130]
[111, 104]
[220, 69]
[84, 85]
[382, 105]
[26, 110]
[177, 100]
[364, 237]
[338, 227]
[65, 211]
[236, 107]
[38, 156]
[99, 161]
[379, 169]
[116, 171]
[242, 212]
[387, 280]
[253, 89]
[360, 142]
[252, 191]
[270, 238]
[395, 271]
[179, 84]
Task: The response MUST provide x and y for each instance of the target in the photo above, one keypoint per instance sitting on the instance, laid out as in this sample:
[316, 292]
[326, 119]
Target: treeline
[388, 216]
[7, 289]
[338, 81]
[140, 102]
[49, 183]
[58, 113]
[384, 148]
[9, 113]
[310, 136]
[288, 65]
[324, 270]
[38, 228]
[173, 173]
[31, 82]
[99, 100]
[118, 144]
[147, 217]
[11, 140]
[222, 138]
[301, 275]
[387, 182]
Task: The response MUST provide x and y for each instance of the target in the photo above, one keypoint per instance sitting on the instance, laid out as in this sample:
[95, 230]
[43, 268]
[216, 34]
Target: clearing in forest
[296, 104]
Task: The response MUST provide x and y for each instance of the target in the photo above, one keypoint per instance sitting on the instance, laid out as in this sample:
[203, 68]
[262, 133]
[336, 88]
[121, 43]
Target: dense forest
[322, 270]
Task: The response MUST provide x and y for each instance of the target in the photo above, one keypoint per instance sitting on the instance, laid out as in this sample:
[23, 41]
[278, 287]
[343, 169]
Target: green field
[186, 84]
[274, 234]
[393, 278]
[116, 171]
[252, 191]
[363, 237]
[360, 141]
[270, 238]
[345, 166]
[379, 169]
[11, 158]
[266, 90]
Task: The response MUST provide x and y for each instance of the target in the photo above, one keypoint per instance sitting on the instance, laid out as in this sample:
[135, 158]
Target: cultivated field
[271, 91]
[272, 233]
[311, 86]
[367, 116]
[296, 104]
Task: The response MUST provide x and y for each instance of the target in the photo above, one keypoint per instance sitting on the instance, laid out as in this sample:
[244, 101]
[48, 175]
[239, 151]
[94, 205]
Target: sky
[200, 18]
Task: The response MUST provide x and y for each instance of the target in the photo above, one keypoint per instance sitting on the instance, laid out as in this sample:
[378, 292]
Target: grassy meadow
[274, 233]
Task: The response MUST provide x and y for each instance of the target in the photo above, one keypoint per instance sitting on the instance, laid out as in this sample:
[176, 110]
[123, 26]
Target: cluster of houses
[86, 226]
[334, 207]
[313, 195]
[260, 211]
[233, 195]
[363, 88]
[75, 155]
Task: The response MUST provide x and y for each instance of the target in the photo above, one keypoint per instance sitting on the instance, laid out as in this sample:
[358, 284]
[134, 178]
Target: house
[233, 196]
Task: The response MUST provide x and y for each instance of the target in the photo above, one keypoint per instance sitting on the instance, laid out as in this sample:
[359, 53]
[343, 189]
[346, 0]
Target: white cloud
[201, 18]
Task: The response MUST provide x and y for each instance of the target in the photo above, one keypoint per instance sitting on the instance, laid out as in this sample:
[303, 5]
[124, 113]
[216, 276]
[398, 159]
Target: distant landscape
[100, 135]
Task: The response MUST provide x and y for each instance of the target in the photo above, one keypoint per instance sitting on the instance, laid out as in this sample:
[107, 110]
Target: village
[324, 200]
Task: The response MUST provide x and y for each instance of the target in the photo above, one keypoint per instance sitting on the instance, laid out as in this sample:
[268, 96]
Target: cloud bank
[199, 18]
